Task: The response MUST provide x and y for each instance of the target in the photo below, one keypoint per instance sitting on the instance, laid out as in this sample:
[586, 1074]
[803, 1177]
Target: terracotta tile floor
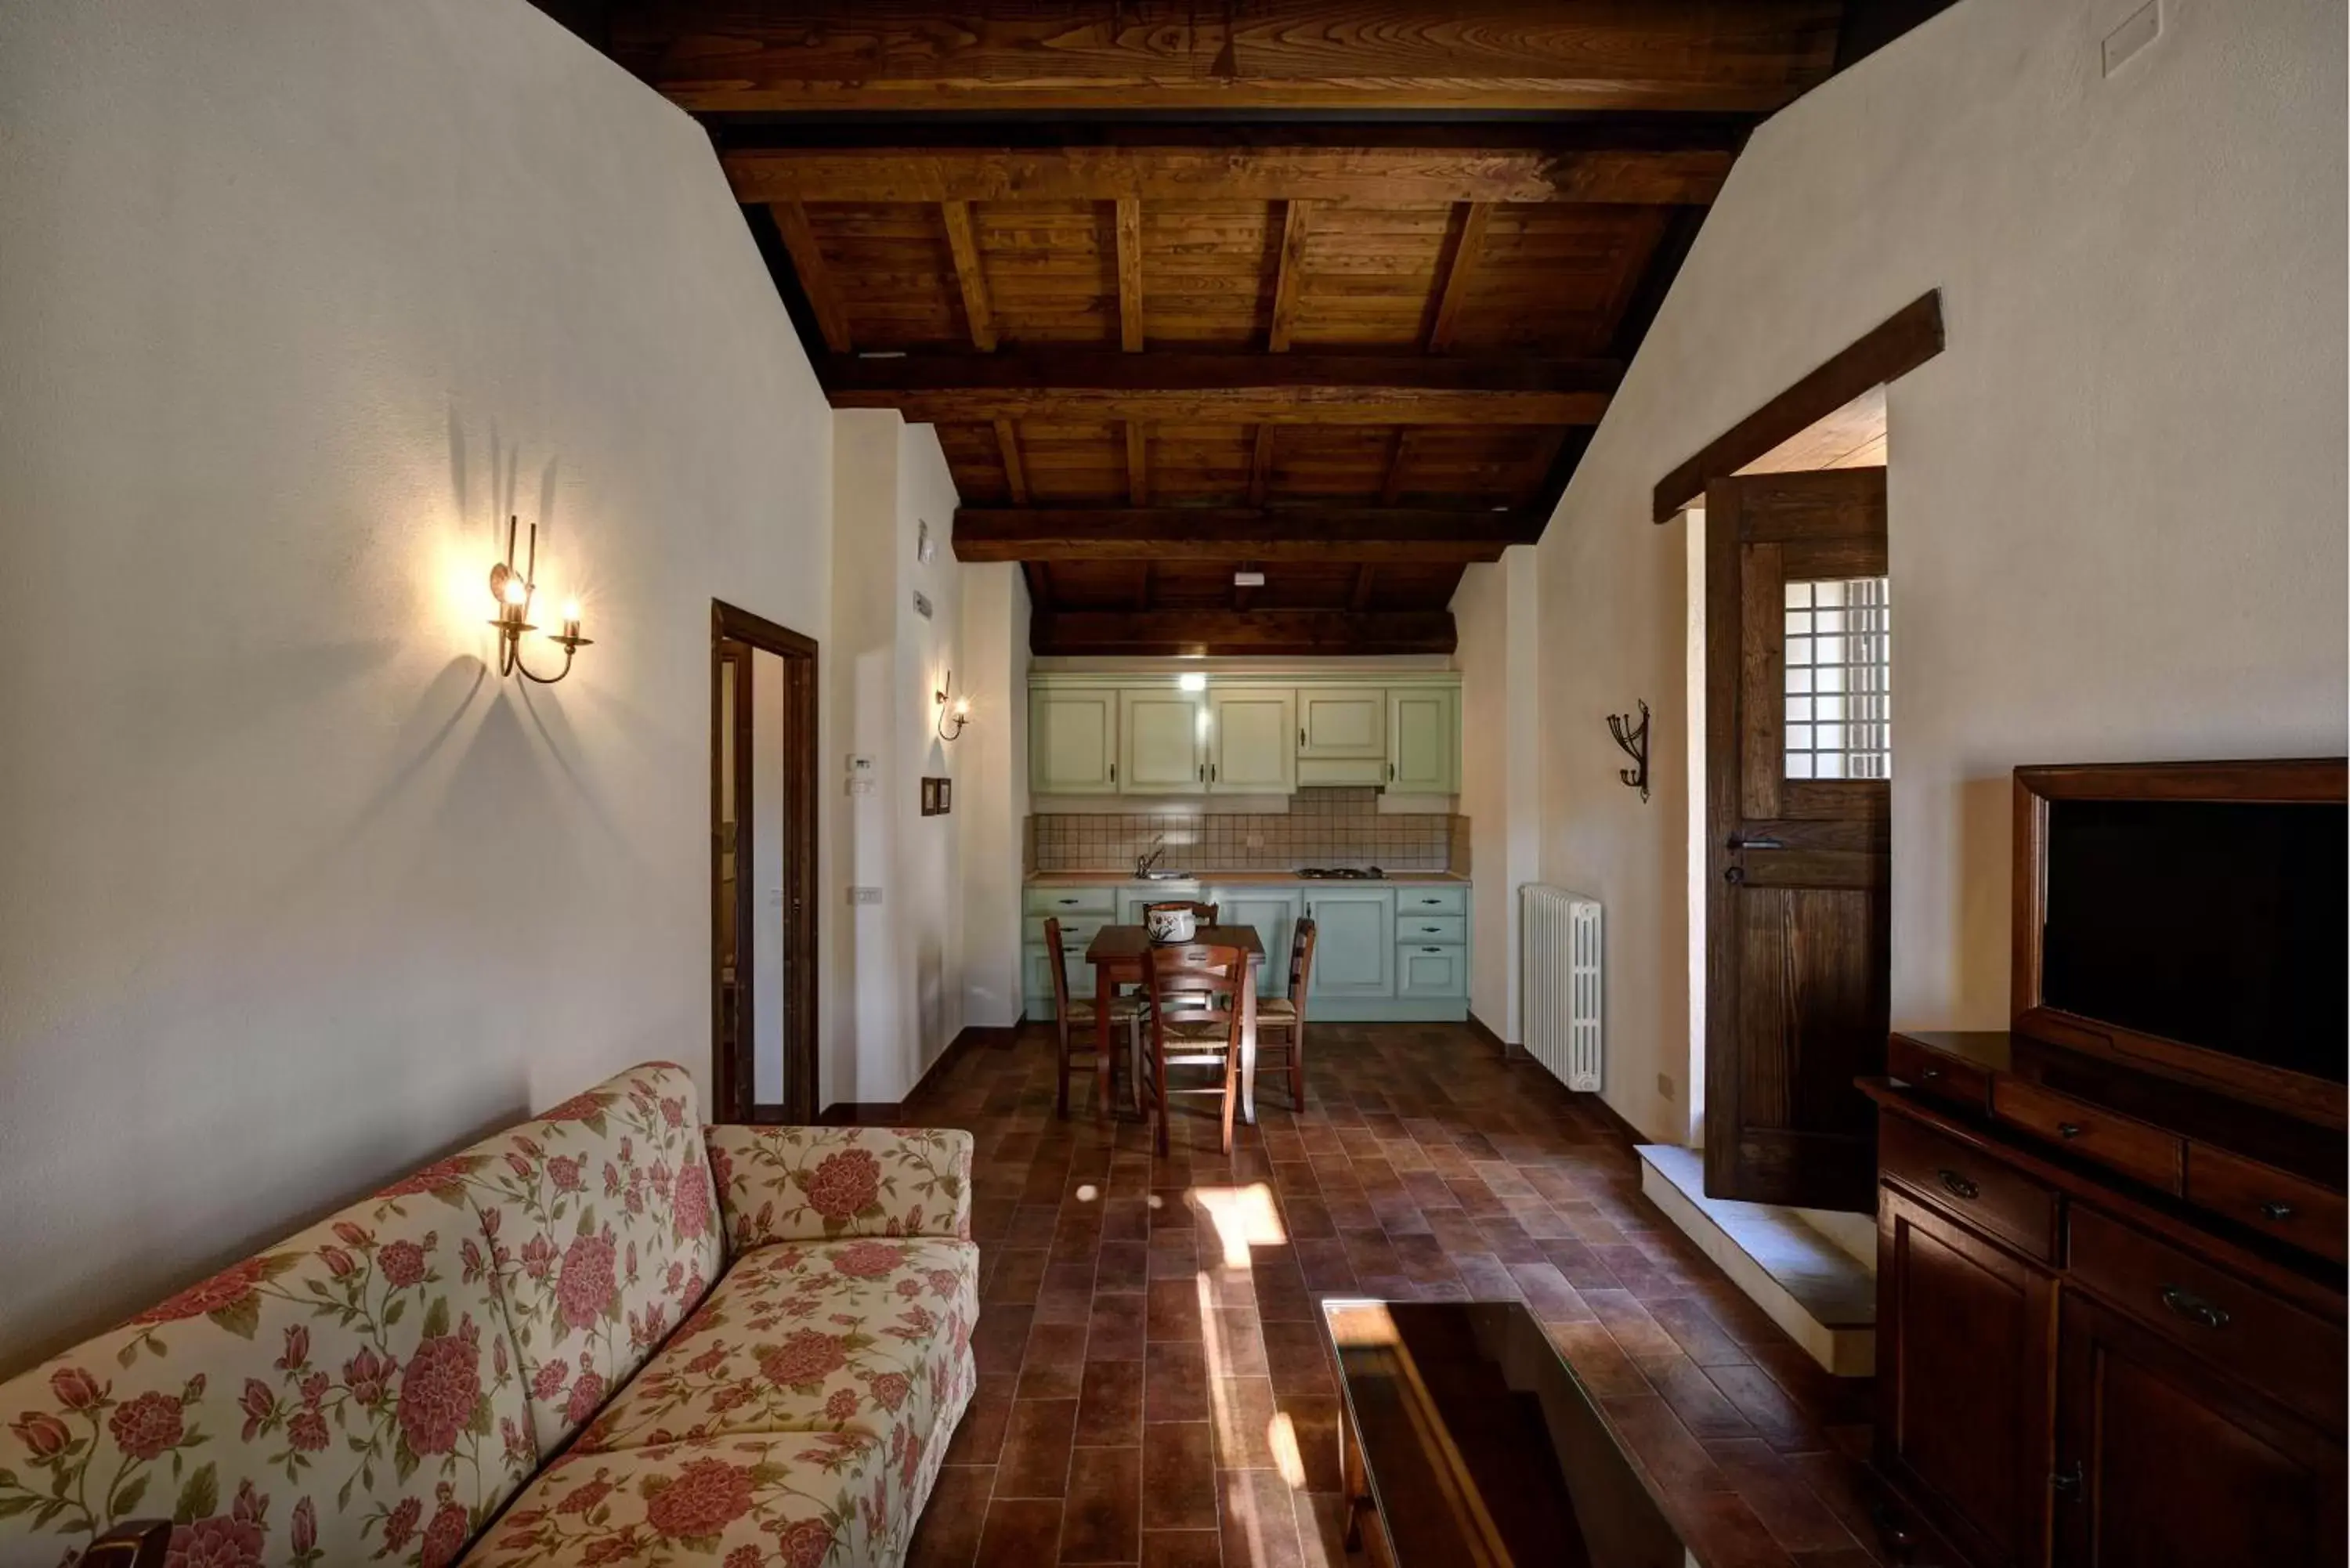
[1153, 1384]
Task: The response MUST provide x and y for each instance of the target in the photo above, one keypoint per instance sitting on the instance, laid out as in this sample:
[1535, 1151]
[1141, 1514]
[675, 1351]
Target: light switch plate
[865, 895]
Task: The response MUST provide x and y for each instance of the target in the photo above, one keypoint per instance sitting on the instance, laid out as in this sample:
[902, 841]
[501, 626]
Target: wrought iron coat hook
[1635, 743]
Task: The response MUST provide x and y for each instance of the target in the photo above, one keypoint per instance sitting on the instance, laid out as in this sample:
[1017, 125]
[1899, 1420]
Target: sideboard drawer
[2277, 1348]
[1066, 900]
[1974, 1186]
[2092, 1132]
[1411, 927]
[1944, 1077]
[2268, 1200]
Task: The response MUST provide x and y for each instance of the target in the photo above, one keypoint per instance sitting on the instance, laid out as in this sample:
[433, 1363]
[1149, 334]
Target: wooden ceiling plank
[1466, 253]
[1378, 177]
[970, 276]
[1085, 385]
[1040, 586]
[1130, 274]
[1138, 463]
[1261, 465]
[815, 277]
[1286, 282]
[1391, 485]
[1359, 598]
[862, 55]
[1015, 474]
[1141, 586]
[1899, 343]
[1271, 633]
[1276, 535]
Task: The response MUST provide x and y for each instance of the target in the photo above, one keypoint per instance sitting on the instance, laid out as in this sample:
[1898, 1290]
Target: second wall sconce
[513, 590]
[955, 711]
[1633, 740]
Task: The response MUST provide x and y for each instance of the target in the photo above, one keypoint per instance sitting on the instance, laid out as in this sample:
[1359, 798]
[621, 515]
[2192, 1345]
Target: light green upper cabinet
[1253, 747]
[1342, 721]
[1161, 743]
[1424, 740]
[1073, 742]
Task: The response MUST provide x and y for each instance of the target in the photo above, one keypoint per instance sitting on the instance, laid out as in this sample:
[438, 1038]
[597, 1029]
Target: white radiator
[1560, 974]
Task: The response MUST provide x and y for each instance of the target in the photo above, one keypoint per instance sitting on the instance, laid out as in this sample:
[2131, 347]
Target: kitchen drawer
[2284, 1353]
[1944, 1077]
[2092, 1132]
[1423, 970]
[1066, 901]
[1422, 929]
[1986, 1192]
[1421, 899]
[1076, 930]
[2289, 1207]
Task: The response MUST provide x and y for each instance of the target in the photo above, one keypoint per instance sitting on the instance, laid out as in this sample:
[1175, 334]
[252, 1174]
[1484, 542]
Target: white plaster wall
[296, 303]
[929, 894]
[2117, 499]
[991, 778]
[1497, 608]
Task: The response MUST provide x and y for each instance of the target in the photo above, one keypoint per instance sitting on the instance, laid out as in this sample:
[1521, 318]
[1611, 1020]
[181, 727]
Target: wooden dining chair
[1203, 913]
[1073, 1014]
[1281, 1020]
[1192, 992]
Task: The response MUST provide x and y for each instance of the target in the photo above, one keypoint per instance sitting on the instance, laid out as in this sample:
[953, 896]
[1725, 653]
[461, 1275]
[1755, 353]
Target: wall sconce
[513, 590]
[952, 711]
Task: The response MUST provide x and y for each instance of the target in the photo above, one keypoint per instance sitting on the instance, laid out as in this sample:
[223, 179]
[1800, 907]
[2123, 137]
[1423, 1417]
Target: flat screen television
[2192, 917]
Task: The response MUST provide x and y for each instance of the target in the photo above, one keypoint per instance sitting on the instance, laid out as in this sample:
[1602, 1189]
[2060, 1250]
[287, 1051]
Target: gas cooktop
[1342, 874]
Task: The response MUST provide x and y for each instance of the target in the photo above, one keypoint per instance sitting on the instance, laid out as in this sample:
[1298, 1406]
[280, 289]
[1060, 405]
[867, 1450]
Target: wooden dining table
[1115, 953]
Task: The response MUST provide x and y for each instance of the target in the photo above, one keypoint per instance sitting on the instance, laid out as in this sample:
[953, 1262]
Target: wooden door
[1345, 722]
[2164, 1462]
[1353, 948]
[1164, 750]
[1255, 743]
[1072, 742]
[1423, 740]
[1965, 1334]
[1797, 922]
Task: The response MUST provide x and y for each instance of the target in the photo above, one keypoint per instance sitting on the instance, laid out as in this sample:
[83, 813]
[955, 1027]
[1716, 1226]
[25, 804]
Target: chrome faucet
[1143, 864]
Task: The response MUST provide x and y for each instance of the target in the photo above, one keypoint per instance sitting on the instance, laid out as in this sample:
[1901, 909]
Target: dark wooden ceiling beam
[1016, 472]
[862, 55]
[1288, 276]
[1129, 275]
[1368, 176]
[1285, 633]
[969, 277]
[1233, 388]
[1397, 535]
[1467, 251]
[814, 275]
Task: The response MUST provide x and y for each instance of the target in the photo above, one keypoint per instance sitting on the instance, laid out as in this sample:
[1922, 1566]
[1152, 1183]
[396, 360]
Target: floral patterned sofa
[552, 1348]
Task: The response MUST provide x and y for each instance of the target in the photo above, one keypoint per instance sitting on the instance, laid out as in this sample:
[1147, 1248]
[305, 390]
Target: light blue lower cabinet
[1367, 967]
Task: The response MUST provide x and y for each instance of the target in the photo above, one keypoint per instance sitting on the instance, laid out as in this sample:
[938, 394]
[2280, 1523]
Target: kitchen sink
[1165, 875]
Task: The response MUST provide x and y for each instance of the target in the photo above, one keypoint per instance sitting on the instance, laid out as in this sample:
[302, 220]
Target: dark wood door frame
[732, 1067]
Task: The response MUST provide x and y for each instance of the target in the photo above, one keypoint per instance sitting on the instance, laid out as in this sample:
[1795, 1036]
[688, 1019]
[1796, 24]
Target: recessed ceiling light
[1248, 579]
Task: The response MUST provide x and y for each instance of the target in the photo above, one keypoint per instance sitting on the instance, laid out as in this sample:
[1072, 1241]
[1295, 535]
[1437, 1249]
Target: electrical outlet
[1665, 1085]
[865, 895]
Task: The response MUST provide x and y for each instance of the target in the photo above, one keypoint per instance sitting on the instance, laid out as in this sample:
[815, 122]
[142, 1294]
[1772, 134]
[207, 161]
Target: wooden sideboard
[2110, 1312]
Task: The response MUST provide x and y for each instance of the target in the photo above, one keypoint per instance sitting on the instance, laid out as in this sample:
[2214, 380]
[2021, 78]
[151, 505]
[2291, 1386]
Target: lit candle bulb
[571, 618]
[518, 591]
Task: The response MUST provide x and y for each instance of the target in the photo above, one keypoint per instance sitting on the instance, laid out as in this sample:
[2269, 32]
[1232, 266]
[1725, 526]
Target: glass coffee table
[1473, 1445]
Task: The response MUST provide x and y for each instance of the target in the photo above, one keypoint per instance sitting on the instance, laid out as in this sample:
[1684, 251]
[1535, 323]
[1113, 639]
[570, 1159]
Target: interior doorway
[762, 865]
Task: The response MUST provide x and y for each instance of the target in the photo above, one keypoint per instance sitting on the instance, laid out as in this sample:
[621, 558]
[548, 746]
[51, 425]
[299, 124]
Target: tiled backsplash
[1322, 827]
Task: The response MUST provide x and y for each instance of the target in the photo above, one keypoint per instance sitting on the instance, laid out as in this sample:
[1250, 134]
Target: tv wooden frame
[2299, 780]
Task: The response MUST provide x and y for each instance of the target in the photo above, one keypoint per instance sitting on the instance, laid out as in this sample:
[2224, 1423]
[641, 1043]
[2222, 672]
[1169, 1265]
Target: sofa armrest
[134, 1543]
[819, 1184]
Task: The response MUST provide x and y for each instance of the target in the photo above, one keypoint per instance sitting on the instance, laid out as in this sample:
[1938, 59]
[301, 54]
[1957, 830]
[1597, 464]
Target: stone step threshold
[1822, 1295]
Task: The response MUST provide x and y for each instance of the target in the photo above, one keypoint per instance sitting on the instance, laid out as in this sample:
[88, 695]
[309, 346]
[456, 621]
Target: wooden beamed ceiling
[1188, 295]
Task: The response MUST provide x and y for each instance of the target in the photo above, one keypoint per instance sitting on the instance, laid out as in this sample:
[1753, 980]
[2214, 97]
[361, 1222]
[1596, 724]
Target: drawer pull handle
[1431, 949]
[1958, 1185]
[1927, 1075]
[2276, 1209]
[2193, 1308]
[2070, 1129]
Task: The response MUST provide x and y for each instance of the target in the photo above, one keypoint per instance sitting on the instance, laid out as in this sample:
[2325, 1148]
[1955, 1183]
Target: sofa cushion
[820, 1184]
[348, 1395]
[603, 1235]
[796, 1500]
[854, 1336]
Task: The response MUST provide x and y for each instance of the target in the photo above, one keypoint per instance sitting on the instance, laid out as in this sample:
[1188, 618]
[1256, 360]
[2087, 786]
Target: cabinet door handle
[1960, 1187]
[2276, 1209]
[1113, 773]
[1211, 773]
[2070, 1129]
[2066, 1484]
[2193, 1308]
[1300, 737]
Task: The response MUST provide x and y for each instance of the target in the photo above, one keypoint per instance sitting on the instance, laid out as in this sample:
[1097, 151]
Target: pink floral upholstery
[347, 1397]
[819, 1184]
[376, 1389]
[865, 1336]
[601, 1234]
[794, 1500]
